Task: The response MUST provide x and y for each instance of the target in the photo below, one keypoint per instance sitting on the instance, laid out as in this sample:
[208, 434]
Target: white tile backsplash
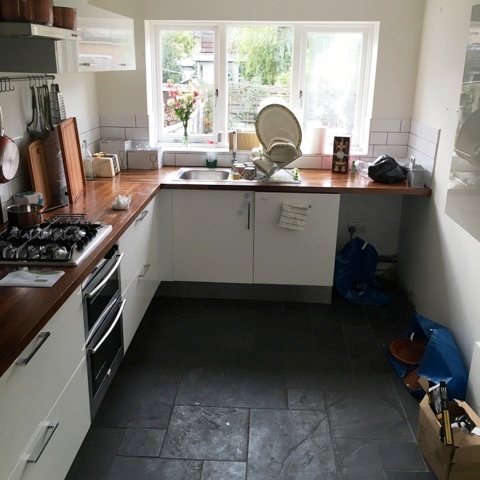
[385, 125]
[141, 121]
[140, 134]
[113, 132]
[378, 138]
[405, 125]
[397, 138]
[395, 151]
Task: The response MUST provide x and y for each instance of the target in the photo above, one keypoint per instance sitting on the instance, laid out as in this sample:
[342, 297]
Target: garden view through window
[324, 74]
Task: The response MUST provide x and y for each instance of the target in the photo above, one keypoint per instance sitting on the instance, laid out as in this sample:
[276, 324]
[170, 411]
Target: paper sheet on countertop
[31, 278]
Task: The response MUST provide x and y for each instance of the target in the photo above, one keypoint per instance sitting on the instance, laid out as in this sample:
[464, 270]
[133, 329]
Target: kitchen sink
[202, 174]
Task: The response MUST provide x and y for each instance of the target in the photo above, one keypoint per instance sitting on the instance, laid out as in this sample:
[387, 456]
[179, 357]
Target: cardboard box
[28, 197]
[145, 158]
[460, 461]
[118, 147]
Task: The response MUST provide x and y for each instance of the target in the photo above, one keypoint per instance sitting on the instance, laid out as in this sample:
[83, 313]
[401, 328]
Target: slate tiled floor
[245, 390]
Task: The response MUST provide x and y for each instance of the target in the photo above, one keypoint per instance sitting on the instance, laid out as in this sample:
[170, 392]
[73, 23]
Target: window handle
[301, 98]
[216, 96]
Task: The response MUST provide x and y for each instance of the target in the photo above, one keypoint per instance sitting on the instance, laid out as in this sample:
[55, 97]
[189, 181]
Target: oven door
[100, 290]
[105, 353]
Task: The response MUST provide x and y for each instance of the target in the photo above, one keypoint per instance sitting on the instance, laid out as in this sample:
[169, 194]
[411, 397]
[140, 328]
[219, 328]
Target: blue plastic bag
[354, 275]
[442, 359]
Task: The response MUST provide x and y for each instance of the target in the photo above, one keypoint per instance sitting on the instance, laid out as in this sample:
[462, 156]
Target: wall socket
[358, 226]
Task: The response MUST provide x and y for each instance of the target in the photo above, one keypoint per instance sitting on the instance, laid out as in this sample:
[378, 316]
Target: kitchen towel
[31, 278]
[293, 216]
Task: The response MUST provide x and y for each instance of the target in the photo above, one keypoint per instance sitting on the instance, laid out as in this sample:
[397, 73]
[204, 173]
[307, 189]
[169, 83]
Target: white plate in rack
[277, 121]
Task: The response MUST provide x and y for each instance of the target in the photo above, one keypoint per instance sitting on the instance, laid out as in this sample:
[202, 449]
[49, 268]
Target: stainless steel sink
[202, 174]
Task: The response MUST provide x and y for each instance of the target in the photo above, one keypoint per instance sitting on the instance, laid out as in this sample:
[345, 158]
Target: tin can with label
[250, 173]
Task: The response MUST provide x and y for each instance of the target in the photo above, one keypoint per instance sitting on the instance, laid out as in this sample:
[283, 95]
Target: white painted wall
[439, 261]
[400, 33]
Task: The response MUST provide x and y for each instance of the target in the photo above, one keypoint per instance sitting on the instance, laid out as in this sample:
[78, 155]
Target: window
[324, 72]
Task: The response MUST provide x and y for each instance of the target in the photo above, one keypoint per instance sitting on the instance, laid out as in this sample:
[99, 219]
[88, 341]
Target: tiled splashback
[399, 138]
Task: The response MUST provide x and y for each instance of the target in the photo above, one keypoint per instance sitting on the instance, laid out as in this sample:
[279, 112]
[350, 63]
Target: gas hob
[61, 240]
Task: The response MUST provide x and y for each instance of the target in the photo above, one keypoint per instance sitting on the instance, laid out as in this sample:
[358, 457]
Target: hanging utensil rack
[6, 82]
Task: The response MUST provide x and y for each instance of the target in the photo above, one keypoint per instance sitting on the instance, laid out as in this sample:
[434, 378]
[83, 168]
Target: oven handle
[109, 331]
[105, 280]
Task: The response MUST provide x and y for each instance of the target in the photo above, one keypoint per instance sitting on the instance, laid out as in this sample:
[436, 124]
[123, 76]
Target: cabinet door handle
[249, 211]
[142, 216]
[109, 331]
[107, 278]
[43, 338]
[37, 452]
[146, 268]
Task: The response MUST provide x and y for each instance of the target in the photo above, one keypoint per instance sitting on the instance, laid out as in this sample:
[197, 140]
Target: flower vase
[186, 140]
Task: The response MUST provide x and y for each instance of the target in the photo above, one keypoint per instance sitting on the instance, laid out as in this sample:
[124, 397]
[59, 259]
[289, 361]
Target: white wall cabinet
[234, 237]
[140, 268]
[295, 257]
[213, 236]
[29, 391]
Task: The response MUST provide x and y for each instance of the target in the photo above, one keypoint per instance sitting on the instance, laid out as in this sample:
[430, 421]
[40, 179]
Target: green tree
[265, 53]
[176, 46]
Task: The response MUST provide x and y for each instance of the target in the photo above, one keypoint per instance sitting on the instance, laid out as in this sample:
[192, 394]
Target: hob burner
[59, 240]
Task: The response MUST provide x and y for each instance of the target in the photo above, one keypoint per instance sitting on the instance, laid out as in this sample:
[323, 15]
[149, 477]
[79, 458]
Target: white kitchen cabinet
[140, 268]
[295, 257]
[60, 435]
[29, 390]
[213, 236]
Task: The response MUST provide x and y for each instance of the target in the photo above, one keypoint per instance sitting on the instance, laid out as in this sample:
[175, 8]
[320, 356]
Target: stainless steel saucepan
[27, 214]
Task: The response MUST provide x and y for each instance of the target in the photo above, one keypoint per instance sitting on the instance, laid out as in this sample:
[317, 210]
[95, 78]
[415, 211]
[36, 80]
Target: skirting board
[279, 293]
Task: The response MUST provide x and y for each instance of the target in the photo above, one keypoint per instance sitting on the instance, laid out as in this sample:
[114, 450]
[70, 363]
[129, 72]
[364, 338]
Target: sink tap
[234, 146]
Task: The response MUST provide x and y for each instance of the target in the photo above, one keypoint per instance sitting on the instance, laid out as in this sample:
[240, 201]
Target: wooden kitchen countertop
[25, 311]
[313, 181]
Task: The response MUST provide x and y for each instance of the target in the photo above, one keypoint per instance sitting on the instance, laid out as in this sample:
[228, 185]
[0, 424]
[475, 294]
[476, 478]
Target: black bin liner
[385, 169]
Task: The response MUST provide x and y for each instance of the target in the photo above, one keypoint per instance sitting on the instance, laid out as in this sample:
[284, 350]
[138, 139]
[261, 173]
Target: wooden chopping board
[72, 158]
[37, 166]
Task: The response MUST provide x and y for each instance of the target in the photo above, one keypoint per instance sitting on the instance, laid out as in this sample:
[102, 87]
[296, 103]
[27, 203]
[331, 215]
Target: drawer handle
[109, 331]
[43, 338]
[142, 216]
[146, 268]
[37, 452]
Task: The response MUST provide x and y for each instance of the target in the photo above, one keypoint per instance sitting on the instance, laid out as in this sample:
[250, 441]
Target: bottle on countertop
[87, 161]
[353, 169]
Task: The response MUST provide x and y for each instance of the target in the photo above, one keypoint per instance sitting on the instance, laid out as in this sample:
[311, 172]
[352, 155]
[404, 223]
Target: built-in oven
[102, 307]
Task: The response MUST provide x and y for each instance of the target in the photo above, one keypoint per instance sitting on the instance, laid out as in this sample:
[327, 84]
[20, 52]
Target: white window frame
[370, 34]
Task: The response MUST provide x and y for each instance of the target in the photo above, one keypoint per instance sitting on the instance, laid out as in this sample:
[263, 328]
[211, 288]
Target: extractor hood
[33, 48]
[32, 30]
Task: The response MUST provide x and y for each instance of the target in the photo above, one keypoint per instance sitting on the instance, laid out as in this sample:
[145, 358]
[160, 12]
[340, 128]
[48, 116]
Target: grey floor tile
[303, 399]
[97, 454]
[289, 445]
[141, 442]
[402, 475]
[129, 468]
[367, 412]
[207, 433]
[224, 470]
[313, 370]
[400, 456]
[137, 399]
[309, 373]
[233, 387]
[357, 459]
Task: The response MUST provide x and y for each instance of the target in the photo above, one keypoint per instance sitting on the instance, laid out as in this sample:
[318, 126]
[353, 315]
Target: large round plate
[276, 120]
